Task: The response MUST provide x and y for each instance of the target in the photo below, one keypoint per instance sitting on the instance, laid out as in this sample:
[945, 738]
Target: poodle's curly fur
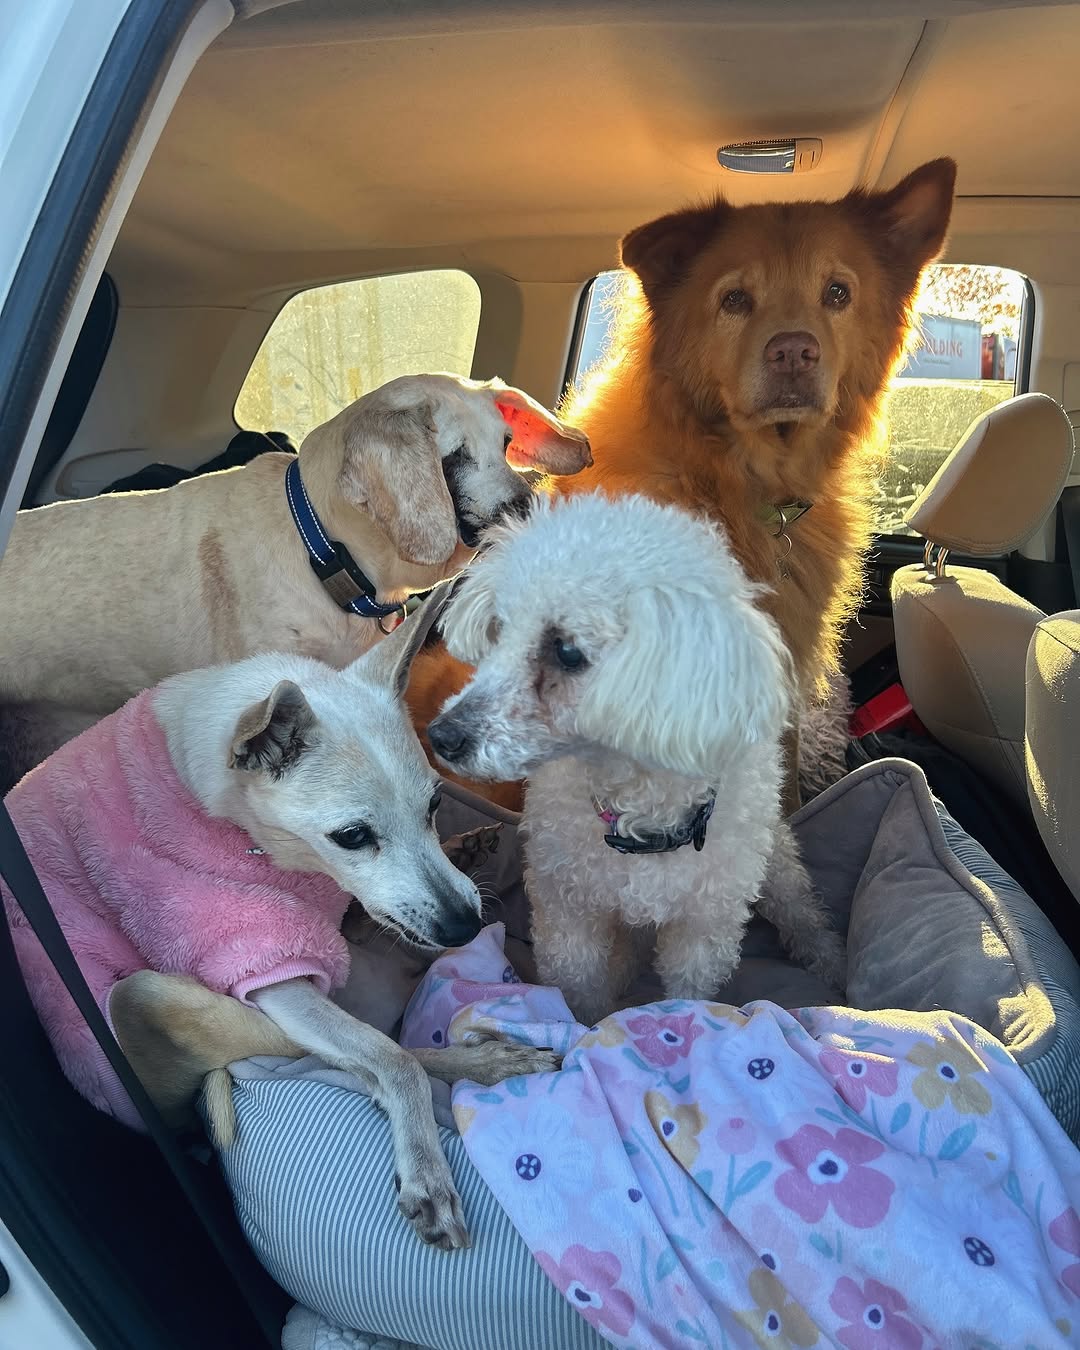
[683, 686]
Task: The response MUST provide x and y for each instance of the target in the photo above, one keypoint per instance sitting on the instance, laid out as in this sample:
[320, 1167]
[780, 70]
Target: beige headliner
[324, 138]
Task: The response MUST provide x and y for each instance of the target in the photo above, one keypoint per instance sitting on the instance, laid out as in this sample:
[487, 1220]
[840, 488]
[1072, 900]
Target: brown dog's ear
[540, 440]
[273, 734]
[393, 470]
[914, 215]
[661, 252]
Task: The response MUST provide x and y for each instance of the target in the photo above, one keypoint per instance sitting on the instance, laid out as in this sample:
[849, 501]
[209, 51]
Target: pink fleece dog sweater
[142, 878]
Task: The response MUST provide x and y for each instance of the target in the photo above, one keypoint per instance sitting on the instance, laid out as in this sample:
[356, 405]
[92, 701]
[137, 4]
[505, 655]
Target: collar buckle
[330, 560]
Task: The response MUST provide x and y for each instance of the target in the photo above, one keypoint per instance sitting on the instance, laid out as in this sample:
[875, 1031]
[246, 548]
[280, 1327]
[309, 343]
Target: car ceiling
[505, 135]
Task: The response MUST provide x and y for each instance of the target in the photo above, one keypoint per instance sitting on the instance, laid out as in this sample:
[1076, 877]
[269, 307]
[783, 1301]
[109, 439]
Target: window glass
[332, 344]
[970, 321]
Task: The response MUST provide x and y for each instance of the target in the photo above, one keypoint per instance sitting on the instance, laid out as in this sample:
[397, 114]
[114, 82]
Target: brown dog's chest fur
[650, 445]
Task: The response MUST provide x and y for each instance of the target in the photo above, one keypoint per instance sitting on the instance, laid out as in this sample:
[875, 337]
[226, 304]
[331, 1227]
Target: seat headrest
[1052, 739]
[1002, 480]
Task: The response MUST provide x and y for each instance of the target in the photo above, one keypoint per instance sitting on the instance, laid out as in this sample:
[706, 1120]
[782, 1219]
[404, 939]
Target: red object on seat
[886, 711]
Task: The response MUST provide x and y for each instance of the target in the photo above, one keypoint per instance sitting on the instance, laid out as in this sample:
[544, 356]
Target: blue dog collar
[330, 560]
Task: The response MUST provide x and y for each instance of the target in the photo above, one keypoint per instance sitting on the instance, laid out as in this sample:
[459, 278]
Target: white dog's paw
[430, 1202]
[497, 1058]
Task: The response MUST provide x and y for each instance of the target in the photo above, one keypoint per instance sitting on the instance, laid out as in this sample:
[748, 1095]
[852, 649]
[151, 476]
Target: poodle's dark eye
[507, 439]
[837, 295]
[568, 656]
[736, 302]
[435, 803]
[353, 836]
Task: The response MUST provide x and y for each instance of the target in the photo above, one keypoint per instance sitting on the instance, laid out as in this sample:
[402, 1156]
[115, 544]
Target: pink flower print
[736, 1135]
[663, 1040]
[830, 1169]
[589, 1282]
[1065, 1233]
[855, 1075]
[872, 1317]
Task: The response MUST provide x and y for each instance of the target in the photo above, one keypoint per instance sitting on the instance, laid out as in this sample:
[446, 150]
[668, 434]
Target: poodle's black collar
[691, 830]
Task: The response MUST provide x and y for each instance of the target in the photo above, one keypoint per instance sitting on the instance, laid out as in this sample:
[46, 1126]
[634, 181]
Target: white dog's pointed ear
[388, 662]
[272, 735]
[688, 707]
[392, 469]
[541, 441]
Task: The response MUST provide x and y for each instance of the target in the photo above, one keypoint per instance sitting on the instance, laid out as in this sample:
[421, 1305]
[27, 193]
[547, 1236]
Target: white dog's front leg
[588, 955]
[427, 1196]
[693, 963]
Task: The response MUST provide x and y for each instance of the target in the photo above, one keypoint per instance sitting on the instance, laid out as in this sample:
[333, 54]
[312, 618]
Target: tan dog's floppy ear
[388, 662]
[913, 217]
[661, 252]
[392, 468]
[273, 734]
[540, 440]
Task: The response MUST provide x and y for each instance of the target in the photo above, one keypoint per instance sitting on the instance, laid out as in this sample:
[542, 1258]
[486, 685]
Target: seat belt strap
[22, 881]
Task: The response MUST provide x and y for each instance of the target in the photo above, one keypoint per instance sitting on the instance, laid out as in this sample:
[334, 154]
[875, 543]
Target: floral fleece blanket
[704, 1176]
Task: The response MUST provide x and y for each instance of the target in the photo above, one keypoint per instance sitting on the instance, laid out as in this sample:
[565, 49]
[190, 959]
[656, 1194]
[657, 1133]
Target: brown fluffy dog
[746, 381]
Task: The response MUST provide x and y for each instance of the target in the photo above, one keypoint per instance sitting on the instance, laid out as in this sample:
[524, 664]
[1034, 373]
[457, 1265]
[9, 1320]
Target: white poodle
[625, 667]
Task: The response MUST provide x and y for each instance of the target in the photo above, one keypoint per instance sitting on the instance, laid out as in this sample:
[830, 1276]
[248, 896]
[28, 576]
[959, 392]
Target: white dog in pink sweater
[217, 827]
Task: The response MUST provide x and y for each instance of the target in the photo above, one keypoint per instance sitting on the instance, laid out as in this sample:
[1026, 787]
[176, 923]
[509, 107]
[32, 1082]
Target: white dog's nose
[457, 929]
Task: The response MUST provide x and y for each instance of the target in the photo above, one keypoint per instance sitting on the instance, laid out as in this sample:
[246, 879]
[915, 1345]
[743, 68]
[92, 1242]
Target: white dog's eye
[435, 803]
[568, 656]
[353, 836]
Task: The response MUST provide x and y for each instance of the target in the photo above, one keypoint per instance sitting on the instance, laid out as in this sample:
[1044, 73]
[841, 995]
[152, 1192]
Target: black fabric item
[1070, 520]
[1008, 833]
[242, 449]
[137, 1241]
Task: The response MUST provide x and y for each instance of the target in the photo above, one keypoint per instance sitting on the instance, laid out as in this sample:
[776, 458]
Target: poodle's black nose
[449, 738]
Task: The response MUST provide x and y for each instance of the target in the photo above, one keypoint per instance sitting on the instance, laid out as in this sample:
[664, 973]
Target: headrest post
[934, 562]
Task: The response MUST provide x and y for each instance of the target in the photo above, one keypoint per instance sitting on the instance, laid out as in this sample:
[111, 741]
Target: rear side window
[332, 344]
[969, 357]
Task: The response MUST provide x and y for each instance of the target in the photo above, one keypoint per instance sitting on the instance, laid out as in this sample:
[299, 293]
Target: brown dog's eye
[736, 302]
[837, 295]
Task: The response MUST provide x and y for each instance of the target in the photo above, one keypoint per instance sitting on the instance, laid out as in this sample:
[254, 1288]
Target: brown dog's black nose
[449, 738]
[792, 352]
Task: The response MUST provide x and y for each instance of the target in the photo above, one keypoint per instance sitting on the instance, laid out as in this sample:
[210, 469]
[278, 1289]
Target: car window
[971, 320]
[331, 344]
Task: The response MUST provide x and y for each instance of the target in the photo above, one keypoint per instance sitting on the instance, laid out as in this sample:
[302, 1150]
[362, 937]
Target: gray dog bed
[932, 923]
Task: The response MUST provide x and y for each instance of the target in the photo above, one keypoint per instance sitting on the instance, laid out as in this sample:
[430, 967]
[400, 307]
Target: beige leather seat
[961, 635]
[1053, 740]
